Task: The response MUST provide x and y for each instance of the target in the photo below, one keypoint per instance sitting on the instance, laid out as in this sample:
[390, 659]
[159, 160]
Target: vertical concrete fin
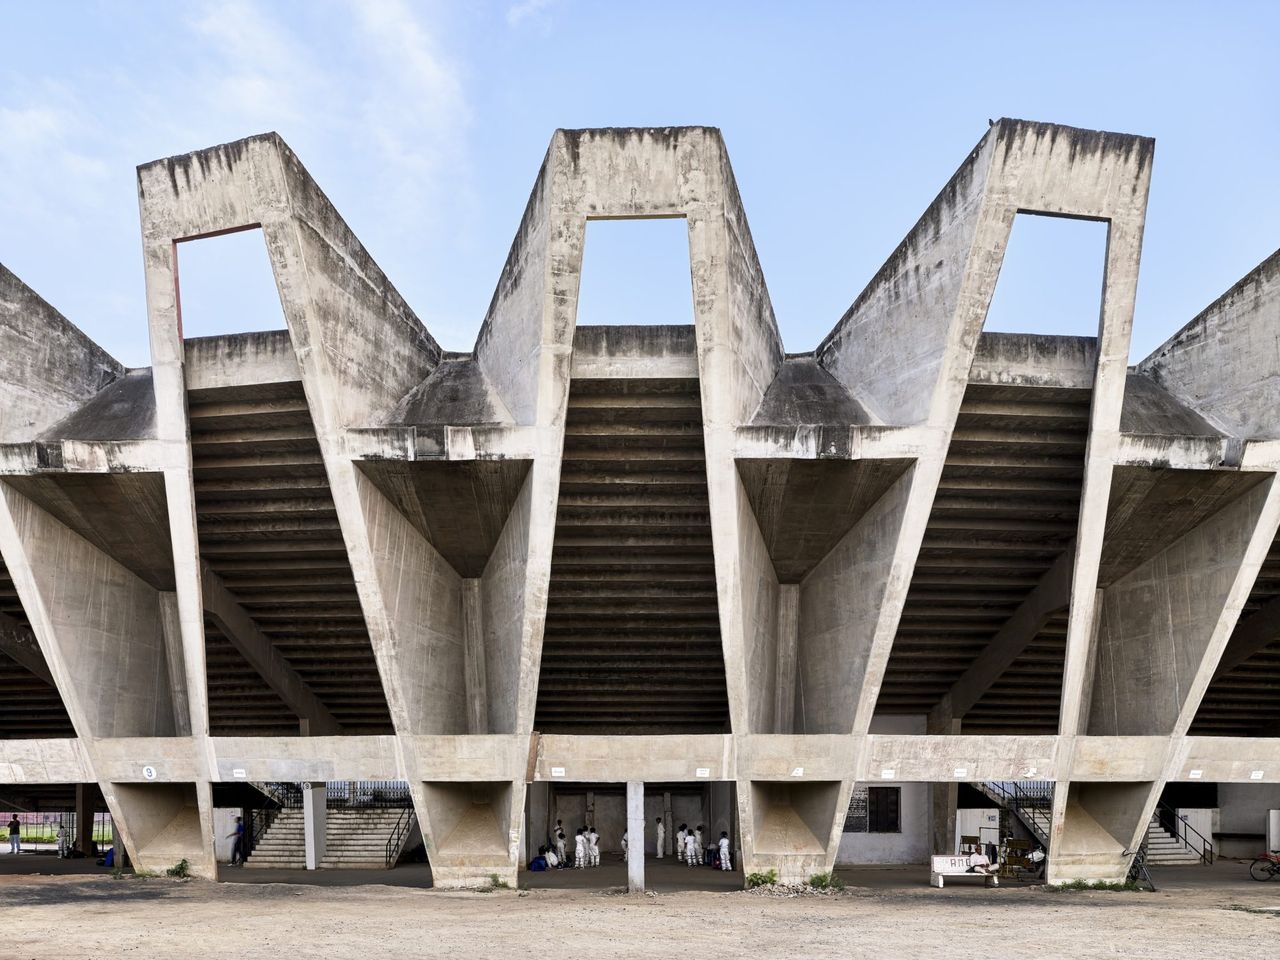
[784, 712]
[51, 367]
[1161, 620]
[1223, 363]
[924, 308]
[98, 624]
[848, 611]
[175, 660]
[412, 602]
[473, 654]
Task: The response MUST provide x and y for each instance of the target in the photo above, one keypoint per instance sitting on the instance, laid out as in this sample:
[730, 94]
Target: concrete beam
[1252, 634]
[1052, 593]
[19, 644]
[263, 656]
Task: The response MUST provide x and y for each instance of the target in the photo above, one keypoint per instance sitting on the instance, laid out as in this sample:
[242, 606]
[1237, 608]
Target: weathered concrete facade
[340, 552]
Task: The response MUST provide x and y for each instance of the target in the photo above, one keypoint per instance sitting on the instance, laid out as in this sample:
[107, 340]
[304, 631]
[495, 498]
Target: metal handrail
[1025, 801]
[1205, 850]
[404, 823]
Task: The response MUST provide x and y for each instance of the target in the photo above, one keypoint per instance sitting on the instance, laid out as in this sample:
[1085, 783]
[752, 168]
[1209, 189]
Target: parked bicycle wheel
[1263, 868]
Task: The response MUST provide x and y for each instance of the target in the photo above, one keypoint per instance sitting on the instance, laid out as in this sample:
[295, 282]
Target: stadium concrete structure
[339, 552]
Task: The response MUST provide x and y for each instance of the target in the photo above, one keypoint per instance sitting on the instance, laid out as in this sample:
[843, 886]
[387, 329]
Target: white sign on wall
[149, 772]
[703, 772]
[557, 771]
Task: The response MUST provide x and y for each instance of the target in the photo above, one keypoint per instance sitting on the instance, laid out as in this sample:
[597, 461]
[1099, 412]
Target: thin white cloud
[255, 72]
[518, 13]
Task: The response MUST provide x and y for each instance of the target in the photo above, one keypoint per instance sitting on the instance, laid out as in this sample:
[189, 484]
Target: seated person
[979, 862]
[539, 863]
[552, 860]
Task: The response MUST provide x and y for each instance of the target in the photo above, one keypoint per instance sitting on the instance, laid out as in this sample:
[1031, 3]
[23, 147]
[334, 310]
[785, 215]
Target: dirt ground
[890, 916]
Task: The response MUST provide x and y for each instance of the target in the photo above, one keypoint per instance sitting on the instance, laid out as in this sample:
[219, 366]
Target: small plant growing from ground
[766, 879]
[1112, 885]
[826, 881]
[495, 883]
[181, 869]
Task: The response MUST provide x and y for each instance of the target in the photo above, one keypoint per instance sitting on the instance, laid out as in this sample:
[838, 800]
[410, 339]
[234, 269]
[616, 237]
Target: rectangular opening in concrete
[63, 828]
[287, 646]
[709, 806]
[632, 637]
[636, 272]
[1051, 278]
[907, 822]
[225, 285]
[469, 820]
[793, 819]
[365, 825]
[982, 637]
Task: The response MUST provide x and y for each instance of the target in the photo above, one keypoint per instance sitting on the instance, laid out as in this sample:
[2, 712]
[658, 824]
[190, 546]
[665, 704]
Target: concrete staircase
[357, 839]
[283, 846]
[1164, 848]
[354, 840]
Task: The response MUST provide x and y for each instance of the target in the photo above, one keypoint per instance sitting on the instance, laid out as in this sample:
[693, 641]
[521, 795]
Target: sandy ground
[71, 917]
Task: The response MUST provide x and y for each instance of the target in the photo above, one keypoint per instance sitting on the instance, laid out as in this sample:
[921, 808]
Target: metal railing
[284, 796]
[1030, 800]
[399, 832]
[1184, 833]
[369, 793]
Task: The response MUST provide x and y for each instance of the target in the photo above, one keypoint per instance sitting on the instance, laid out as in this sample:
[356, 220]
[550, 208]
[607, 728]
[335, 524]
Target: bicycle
[1265, 867]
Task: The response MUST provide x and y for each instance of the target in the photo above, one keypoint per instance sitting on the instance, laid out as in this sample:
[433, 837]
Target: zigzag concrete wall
[907, 443]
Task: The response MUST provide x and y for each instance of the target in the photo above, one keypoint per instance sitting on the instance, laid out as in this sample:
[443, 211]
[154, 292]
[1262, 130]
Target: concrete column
[84, 819]
[314, 804]
[668, 826]
[943, 797]
[635, 836]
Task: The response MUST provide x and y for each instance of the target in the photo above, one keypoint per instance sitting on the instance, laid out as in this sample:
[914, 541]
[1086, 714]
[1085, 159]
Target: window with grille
[883, 809]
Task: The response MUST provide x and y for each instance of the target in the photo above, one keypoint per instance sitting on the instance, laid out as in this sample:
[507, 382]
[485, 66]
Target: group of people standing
[586, 848]
[691, 850]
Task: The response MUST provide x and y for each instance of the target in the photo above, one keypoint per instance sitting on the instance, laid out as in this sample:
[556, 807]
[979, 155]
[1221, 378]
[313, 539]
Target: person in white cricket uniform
[701, 849]
[680, 835]
[691, 849]
[593, 837]
[725, 862]
[579, 850]
[662, 837]
[560, 845]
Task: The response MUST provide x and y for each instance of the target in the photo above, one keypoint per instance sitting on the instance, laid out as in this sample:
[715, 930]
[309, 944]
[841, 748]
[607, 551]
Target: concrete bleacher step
[1165, 849]
[354, 840]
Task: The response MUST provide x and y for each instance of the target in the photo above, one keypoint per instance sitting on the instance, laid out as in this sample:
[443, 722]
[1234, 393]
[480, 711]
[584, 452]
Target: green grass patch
[181, 870]
[765, 879]
[826, 881]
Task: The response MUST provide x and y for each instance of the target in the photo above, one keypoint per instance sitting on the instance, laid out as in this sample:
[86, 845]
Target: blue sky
[426, 122]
